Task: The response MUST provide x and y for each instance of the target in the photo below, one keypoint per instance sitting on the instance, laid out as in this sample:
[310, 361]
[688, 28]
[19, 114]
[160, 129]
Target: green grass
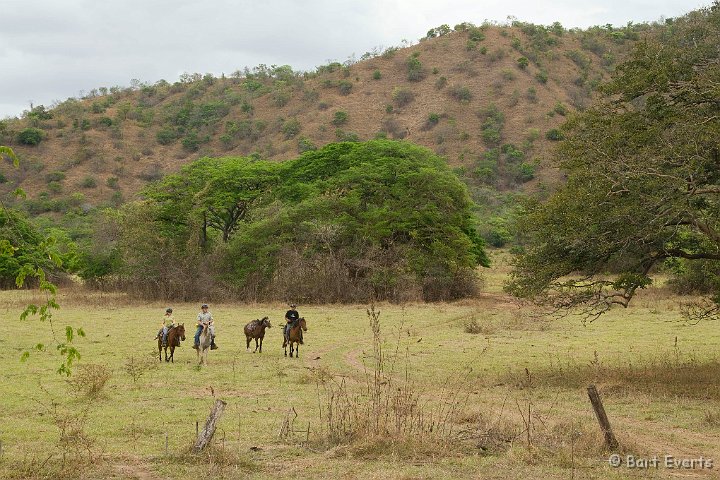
[662, 395]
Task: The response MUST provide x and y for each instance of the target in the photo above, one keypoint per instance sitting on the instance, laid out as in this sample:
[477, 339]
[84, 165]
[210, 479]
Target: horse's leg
[256, 345]
[248, 342]
[160, 350]
[297, 350]
[261, 339]
[172, 354]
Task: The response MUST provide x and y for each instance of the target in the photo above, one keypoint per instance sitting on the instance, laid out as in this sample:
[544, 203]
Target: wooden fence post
[205, 436]
[602, 418]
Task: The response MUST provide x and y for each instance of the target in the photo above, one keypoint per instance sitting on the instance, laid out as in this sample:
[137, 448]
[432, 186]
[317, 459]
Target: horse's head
[265, 322]
[181, 331]
[303, 324]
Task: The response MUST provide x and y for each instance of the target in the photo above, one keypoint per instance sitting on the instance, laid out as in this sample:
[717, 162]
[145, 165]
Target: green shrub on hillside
[291, 127]
[30, 136]
[339, 118]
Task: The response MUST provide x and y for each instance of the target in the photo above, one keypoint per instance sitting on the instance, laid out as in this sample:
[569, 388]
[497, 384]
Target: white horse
[205, 341]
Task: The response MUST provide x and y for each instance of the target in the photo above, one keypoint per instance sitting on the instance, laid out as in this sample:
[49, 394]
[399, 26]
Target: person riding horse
[291, 317]
[205, 318]
[168, 322]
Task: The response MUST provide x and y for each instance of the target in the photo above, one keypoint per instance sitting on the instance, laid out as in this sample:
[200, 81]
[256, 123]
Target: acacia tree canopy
[643, 177]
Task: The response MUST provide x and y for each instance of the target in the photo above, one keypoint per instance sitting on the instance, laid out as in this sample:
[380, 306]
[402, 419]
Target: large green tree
[347, 222]
[643, 177]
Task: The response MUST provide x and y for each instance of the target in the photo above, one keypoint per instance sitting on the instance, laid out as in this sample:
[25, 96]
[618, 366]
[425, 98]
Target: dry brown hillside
[463, 93]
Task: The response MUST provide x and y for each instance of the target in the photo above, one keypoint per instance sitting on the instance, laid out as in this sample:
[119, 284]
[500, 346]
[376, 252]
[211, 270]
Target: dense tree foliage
[643, 169]
[350, 221]
[25, 254]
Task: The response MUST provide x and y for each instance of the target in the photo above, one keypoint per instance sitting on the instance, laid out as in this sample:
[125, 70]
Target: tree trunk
[205, 436]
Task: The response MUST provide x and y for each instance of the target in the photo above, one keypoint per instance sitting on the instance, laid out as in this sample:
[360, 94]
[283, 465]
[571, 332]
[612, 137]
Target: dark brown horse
[294, 337]
[174, 336]
[256, 330]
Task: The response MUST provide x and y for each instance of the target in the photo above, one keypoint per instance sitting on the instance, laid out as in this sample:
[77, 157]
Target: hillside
[486, 98]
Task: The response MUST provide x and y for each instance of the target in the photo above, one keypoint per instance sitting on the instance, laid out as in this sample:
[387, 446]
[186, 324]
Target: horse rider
[205, 318]
[291, 317]
[168, 322]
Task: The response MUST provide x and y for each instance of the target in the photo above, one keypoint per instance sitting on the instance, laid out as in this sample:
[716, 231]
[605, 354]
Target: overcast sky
[54, 49]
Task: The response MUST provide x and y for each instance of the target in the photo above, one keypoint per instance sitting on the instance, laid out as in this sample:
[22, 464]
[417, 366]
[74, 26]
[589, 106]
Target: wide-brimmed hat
[204, 305]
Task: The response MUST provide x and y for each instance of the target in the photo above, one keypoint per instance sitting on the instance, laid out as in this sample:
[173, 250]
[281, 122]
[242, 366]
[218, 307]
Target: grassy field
[483, 373]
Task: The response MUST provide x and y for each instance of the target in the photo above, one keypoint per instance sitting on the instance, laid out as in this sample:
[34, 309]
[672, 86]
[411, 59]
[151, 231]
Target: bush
[306, 145]
[555, 135]
[113, 182]
[541, 76]
[433, 119]
[345, 87]
[402, 96]
[415, 71]
[440, 83]
[89, 380]
[291, 128]
[56, 176]
[376, 75]
[166, 136]
[460, 93]
[339, 118]
[88, 182]
[30, 136]
[523, 62]
[191, 142]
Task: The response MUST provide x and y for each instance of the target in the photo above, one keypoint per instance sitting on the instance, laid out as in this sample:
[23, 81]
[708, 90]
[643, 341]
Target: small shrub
[30, 136]
[339, 118]
[90, 380]
[460, 93]
[191, 142]
[345, 87]
[554, 135]
[88, 182]
[290, 128]
[306, 145]
[532, 95]
[541, 76]
[113, 182]
[433, 119]
[560, 109]
[55, 187]
[523, 62]
[402, 96]
[343, 136]
[323, 106]
[440, 83]
[166, 136]
[376, 75]
[56, 176]
[415, 71]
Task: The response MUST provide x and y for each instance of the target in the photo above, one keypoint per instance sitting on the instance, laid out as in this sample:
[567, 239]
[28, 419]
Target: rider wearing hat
[168, 322]
[205, 318]
[291, 317]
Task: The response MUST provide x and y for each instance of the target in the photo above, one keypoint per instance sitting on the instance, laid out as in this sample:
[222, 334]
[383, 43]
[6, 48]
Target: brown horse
[256, 330]
[174, 336]
[294, 337]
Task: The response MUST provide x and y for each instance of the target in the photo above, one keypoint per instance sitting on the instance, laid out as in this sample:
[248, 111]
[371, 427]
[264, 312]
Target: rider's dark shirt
[292, 315]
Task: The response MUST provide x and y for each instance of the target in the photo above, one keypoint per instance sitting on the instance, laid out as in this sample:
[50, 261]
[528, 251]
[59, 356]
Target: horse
[256, 330]
[205, 340]
[294, 337]
[174, 336]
